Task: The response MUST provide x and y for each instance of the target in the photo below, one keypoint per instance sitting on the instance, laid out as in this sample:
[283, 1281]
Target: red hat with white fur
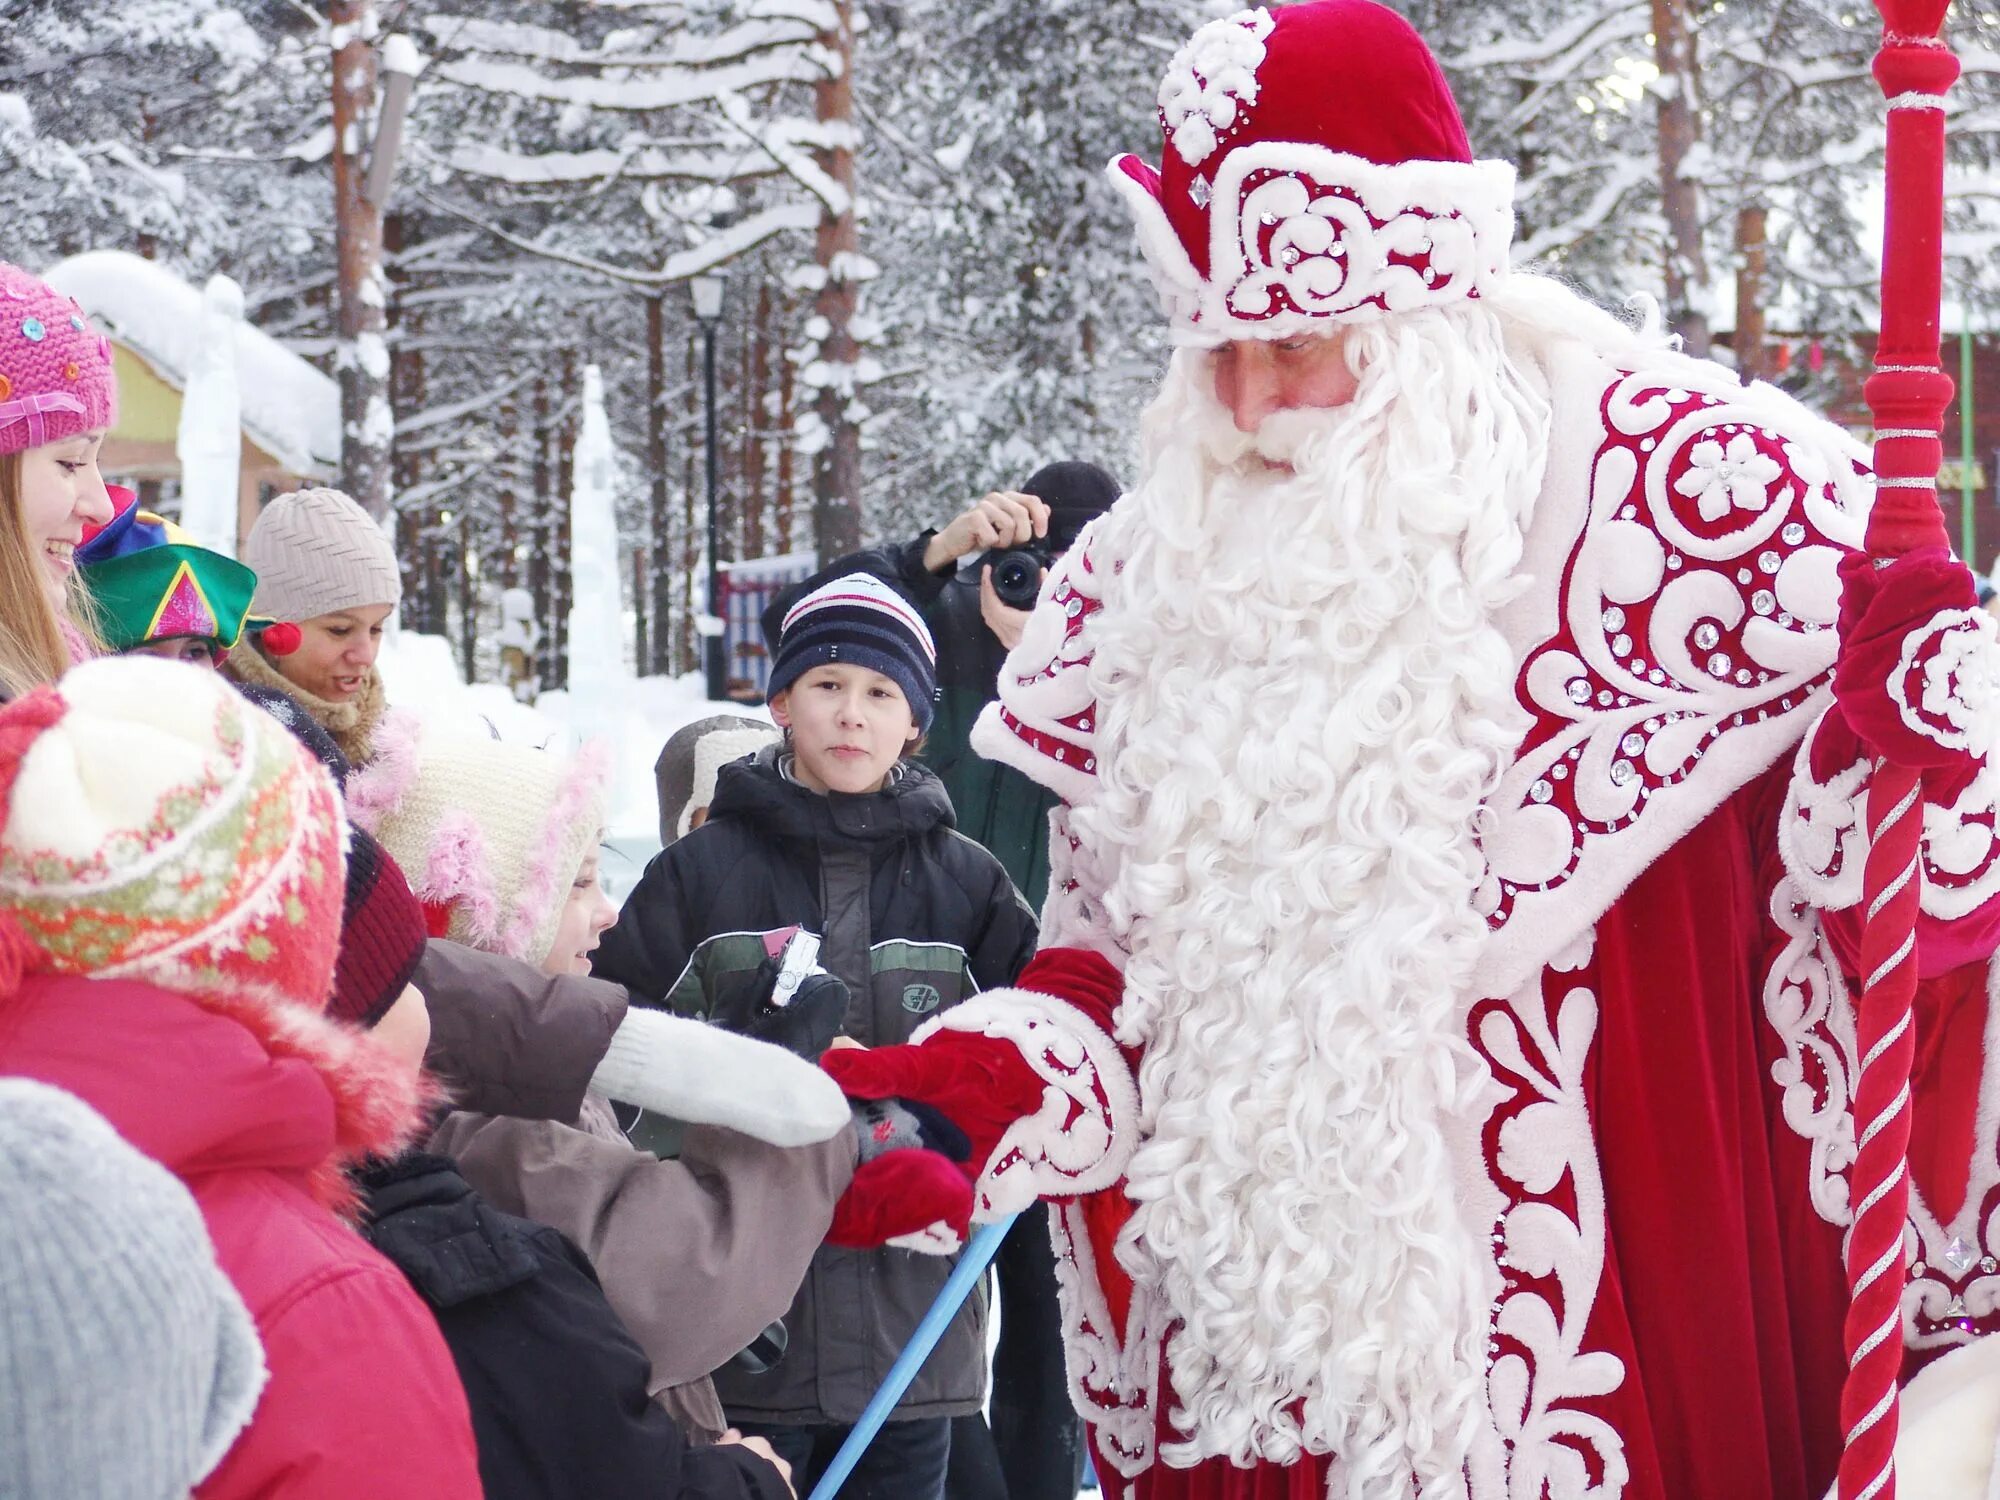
[1315, 171]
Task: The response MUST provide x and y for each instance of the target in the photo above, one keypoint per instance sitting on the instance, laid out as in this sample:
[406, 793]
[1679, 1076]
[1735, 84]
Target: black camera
[1017, 573]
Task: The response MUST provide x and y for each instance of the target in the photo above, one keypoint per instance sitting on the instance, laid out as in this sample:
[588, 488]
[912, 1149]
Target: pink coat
[363, 1398]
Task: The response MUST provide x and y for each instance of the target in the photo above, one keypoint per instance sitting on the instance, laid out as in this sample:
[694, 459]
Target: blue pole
[979, 1253]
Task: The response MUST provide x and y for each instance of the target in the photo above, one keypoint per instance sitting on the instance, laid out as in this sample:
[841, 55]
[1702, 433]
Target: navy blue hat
[859, 619]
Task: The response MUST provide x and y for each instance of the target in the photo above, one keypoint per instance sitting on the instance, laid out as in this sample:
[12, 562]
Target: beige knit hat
[316, 552]
[490, 835]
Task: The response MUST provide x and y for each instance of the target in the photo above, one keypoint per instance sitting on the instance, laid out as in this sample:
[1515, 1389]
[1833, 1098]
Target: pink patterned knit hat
[56, 378]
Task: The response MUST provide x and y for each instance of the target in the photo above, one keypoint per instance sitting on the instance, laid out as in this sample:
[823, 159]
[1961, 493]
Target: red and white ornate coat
[1673, 856]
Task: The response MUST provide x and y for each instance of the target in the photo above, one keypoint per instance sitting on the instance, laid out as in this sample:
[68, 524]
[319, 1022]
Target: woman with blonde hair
[58, 397]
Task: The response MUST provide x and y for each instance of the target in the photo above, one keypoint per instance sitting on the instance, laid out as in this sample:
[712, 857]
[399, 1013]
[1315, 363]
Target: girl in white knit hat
[697, 1254]
[327, 582]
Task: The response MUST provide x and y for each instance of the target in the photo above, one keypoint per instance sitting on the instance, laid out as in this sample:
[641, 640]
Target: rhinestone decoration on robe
[1700, 598]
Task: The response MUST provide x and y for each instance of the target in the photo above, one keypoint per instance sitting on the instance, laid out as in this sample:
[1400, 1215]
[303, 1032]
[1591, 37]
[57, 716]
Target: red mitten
[1031, 1075]
[1915, 658]
[981, 1084]
[912, 1199]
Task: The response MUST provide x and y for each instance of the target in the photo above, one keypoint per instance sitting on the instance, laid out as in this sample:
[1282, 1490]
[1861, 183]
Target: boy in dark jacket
[556, 1386]
[836, 834]
[1035, 1449]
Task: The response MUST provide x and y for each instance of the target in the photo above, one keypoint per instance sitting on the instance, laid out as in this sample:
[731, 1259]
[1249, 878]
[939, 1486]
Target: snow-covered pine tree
[1017, 320]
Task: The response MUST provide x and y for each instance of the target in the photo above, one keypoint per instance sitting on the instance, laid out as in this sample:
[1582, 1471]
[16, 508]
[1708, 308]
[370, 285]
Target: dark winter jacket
[556, 1385]
[696, 1255]
[914, 917]
[996, 806]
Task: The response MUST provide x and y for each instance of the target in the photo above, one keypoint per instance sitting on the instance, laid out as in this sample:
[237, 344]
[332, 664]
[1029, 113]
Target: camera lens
[1017, 579]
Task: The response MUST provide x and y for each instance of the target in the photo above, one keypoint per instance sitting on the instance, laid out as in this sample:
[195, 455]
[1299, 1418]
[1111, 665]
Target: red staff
[1908, 395]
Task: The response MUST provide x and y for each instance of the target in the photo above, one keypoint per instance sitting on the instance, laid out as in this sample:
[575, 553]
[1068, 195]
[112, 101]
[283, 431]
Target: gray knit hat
[315, 552]
[128, 1363]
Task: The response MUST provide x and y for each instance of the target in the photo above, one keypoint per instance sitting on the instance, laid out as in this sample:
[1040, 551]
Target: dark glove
[807, 1025]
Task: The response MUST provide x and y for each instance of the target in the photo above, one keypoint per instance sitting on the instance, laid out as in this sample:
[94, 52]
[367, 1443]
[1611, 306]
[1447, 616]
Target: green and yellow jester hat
[150, 582]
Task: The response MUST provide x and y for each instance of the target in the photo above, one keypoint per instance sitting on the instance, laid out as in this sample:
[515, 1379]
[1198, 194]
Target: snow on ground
[420, 673]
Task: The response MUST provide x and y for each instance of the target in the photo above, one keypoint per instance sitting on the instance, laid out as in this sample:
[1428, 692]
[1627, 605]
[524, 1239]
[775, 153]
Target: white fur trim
[1114, 1373]
[1640, 626]
[1212, 81]
[936, 1238]
[1084, 1133]
[1073, 915]
[1044, 724]
[1945, 1449]
[1336, 236]
[691, 1071]
[1955, 662]
[1551, 1258]
[1959, 1257]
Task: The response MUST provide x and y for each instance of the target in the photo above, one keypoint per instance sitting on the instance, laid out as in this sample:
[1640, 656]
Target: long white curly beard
[1303, 702]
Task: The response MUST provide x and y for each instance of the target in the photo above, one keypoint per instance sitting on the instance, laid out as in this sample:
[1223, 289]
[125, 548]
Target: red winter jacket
[363, 1398]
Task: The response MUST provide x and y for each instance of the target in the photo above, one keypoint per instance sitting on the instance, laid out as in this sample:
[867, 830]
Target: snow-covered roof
[290, 409]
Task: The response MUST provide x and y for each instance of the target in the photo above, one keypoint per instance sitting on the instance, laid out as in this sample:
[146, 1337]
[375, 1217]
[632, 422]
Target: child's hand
[809, 1023]
[907, 1189]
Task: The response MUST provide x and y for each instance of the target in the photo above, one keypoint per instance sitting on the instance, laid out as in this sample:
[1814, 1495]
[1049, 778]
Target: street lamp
[705, 291]
[400, 65]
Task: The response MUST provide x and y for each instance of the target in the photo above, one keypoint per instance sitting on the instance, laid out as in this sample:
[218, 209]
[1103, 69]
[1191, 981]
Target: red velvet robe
[1667, 1013]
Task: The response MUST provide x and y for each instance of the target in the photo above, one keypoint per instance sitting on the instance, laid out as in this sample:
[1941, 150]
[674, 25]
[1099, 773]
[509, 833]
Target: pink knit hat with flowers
[56, 378]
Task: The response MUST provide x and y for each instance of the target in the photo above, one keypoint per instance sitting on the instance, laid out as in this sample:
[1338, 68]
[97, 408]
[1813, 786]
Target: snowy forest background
[931, 287]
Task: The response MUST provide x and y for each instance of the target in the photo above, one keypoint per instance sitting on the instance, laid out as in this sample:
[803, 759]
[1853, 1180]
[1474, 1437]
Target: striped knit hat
[155, 825]
[56, 378]
[316, 552]
[860, 620]
[490, 835]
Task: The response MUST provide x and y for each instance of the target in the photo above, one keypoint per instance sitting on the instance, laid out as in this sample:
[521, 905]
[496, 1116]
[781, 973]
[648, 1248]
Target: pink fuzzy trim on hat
[459, 872]
[376, 789]
[541, 886]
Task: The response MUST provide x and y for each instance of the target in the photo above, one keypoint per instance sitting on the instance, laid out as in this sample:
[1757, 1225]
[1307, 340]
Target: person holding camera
[976, 579]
